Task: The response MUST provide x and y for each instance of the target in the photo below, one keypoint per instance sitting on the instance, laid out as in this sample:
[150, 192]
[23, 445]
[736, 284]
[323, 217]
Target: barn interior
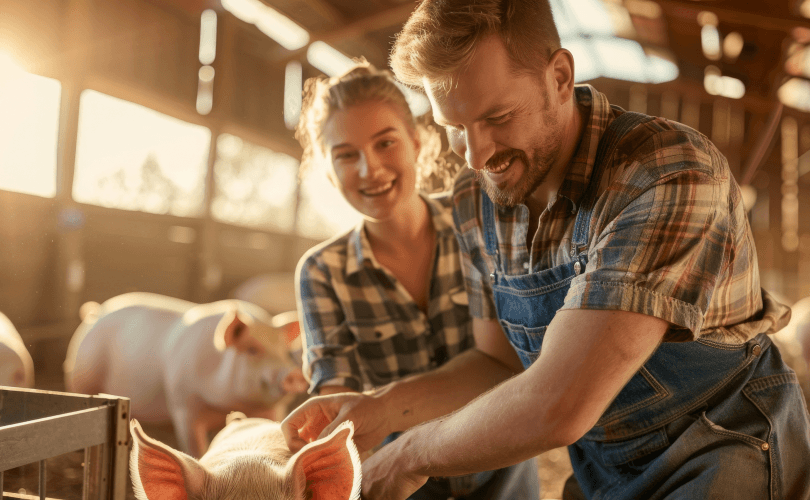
[148, 145]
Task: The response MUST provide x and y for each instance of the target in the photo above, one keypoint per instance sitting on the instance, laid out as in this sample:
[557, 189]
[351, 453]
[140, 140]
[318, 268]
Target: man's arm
[587, 357]
[413, 400]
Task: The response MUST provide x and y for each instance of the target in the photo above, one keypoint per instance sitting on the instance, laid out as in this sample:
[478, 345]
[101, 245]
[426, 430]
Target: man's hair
[441, 36]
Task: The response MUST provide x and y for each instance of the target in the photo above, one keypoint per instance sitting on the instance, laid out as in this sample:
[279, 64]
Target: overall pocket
[526, 341]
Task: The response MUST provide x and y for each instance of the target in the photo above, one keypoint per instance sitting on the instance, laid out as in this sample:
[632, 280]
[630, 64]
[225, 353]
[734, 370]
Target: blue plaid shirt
[361, 327]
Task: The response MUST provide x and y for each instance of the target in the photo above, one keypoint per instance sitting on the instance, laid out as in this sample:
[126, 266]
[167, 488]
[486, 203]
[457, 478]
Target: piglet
[16, 365]
[248, 460]
[184, 362]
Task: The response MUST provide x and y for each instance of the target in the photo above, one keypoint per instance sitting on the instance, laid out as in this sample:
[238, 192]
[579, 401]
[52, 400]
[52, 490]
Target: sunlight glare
[29, 125]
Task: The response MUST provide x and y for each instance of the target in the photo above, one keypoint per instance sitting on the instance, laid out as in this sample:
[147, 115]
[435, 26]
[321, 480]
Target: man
[616, 241]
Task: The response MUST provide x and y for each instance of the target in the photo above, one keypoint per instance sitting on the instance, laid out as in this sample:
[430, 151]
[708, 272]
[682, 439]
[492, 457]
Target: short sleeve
[664, 237]
[330, 356]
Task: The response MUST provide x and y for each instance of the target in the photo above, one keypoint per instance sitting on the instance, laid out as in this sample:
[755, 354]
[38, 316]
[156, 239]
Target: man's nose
[478, 148]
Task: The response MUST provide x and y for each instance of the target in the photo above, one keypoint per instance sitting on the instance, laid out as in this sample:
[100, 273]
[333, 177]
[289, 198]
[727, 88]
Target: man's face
[502, 122]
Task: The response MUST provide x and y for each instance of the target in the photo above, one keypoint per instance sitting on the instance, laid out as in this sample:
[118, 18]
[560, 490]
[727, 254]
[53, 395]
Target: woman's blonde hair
[360, 84]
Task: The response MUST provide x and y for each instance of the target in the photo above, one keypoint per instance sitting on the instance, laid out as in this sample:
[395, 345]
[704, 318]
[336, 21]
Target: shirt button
[492, 275]
[756, 350]
[525, 265]
[577, 267]
[765, 447]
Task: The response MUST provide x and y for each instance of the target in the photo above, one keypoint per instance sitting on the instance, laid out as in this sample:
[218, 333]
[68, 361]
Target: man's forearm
[501, 428]
[426, 396]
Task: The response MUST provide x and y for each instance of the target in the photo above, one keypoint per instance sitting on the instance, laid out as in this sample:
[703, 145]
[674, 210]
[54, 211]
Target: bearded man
[619, 244]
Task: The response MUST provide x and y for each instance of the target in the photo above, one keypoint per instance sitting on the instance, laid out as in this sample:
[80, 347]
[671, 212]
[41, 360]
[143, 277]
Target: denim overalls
[699, 420]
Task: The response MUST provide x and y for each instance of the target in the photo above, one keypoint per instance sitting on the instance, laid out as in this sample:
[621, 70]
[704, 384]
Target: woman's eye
[344, 156]
[386, 143]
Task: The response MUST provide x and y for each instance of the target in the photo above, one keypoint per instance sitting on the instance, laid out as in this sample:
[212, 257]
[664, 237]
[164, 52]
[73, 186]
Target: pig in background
[16, 365]
[188, 363]
[248, 460]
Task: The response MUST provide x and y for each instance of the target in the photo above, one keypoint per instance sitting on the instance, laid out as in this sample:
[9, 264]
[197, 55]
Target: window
[323, 212]
[253, 186]
[134, 158]
[29, 128]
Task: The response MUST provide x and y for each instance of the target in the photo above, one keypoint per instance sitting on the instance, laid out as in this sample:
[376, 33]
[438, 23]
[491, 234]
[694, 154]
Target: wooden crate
[36, 425]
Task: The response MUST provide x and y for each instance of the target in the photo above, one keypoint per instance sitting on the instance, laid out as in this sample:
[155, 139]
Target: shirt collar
[580, 169]
[358, 251]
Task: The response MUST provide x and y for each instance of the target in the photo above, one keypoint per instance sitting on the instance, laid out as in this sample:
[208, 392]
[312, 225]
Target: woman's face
[372, 151]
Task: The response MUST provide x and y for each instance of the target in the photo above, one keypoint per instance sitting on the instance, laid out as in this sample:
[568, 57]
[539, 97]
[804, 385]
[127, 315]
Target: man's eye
[499, 119]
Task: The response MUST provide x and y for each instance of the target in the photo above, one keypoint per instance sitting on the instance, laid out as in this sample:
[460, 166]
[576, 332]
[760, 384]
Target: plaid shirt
[362, 328]
[668, 236]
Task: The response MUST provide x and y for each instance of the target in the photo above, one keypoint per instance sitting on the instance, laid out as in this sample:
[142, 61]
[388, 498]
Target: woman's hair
[440, 38]
[361, 84]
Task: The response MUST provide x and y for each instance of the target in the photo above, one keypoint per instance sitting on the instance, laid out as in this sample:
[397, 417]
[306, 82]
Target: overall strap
[488, 213]
[611, 137]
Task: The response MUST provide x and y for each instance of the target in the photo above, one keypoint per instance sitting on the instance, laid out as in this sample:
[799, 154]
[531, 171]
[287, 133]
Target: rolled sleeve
[663, 253]
[330, 356]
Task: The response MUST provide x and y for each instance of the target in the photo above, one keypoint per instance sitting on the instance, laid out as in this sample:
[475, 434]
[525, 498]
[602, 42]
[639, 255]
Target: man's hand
[319, 416]
[385, 475]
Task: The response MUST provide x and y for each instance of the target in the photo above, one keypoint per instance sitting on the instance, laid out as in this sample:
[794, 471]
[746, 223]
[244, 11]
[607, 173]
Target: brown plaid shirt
[361, 327]
[668, 236]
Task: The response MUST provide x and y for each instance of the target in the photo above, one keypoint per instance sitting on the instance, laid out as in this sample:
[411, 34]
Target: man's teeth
[500, 168]
[379, 189]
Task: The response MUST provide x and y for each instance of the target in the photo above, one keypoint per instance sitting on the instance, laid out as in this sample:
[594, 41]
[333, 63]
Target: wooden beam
[357, 29]
[689, 10]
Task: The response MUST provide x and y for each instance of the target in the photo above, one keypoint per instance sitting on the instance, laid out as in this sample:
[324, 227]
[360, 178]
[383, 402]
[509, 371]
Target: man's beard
[535, 172]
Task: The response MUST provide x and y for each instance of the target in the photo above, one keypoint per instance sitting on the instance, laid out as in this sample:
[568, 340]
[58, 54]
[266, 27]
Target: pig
[16, 365]
[248, 460]
[182, 362]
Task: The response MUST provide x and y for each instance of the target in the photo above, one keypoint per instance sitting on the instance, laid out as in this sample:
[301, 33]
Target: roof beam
[688, 10]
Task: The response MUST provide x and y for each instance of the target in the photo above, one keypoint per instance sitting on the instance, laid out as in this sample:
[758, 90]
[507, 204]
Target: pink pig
[180, 361]
[16, 365]
[248, 460]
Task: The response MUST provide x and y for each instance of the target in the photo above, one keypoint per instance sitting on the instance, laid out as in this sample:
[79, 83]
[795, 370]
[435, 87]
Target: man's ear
[561, 74]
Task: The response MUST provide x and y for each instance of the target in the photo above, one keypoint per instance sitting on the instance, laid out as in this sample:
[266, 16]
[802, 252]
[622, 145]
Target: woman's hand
[319, 416]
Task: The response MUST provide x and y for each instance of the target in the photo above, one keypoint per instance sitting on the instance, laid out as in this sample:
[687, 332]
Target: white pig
[180, 361]
[248, 460]
[16, 365]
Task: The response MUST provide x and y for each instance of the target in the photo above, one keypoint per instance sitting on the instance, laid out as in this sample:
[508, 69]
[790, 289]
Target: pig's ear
[329, 468]
[160, 473]
[287, 322]
[229, 330]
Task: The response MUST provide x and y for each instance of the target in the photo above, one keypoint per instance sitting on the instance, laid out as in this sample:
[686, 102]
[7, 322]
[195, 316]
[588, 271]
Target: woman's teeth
[376, 190]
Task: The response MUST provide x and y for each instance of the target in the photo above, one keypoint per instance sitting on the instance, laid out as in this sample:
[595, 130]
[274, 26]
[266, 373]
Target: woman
[386, 299]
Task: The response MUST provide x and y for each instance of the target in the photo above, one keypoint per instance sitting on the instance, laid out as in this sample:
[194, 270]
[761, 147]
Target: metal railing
[36, 425]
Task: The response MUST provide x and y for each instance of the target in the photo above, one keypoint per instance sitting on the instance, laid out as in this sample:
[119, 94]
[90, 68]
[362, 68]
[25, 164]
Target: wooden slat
[120, 449]
[29, 442]
[20, 405]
